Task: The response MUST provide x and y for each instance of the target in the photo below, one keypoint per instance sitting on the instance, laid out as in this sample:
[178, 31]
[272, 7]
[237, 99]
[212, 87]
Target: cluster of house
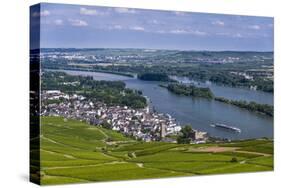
[243, 74]
[142, 124]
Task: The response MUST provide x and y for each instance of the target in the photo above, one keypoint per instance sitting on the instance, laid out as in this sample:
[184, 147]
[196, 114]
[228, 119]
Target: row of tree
[154, 77]
[252, 106]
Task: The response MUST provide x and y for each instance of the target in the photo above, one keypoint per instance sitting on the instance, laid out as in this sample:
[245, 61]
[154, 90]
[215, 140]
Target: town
[142, 124]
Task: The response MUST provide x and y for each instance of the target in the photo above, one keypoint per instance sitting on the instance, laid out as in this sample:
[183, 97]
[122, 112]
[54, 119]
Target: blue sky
[106, 27]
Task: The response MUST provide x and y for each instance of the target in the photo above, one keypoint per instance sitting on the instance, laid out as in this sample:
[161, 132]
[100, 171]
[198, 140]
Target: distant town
[253, 70]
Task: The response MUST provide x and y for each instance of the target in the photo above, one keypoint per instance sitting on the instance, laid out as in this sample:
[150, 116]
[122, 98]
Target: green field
[74, 152]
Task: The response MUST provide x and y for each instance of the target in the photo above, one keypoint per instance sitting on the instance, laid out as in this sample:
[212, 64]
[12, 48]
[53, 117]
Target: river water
[200, 112]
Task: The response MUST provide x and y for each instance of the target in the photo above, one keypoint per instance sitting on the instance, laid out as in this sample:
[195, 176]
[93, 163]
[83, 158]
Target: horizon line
[132, 48]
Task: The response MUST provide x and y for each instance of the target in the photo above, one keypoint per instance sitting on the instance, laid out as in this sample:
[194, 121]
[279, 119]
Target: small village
[142, 124]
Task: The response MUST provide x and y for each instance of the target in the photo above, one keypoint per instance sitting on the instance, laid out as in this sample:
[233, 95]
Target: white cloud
[125, 10]
[218, 22]
[113, 27]
[117, 27]
[137, 28]
[200, 33]
[190, 32]
[42, 13]
[58, 22]
[232, 35]
[161, 31]
[78, 23]
[88, 11]
[178, 31]
[255, 27]
[120, 27]
[91, 12]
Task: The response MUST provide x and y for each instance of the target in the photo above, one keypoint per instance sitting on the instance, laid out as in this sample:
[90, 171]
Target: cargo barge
[226, 127]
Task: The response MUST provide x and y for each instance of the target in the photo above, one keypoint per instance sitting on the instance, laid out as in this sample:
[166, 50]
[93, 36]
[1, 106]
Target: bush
[234, 160]
[109, 139]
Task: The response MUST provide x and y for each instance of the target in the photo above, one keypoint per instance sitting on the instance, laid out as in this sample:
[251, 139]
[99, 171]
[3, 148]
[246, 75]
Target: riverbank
[94, 70]
[252, 106]
[201, 112]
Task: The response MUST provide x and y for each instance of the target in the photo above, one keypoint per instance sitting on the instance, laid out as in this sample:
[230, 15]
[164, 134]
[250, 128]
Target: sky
[75, 26]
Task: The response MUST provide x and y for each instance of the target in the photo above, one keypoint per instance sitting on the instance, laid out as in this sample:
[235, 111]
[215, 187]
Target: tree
[234, 160]
[106, 125]
[186, 135]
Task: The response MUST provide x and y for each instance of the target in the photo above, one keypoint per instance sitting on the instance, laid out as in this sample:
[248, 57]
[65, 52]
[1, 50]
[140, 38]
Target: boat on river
[226, 127]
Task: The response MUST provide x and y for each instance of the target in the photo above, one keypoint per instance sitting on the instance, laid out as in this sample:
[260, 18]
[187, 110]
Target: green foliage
[51, 180]
[247, 143]
[73, 152]
[154, 77]
[236, 168]
[154, 150]
[264, 85]
[260, 146]
[186, 135]
[198, 65]
[181, 89]
[54, 101]
[252, 106]
[114, 135]
[265, 161]
[109, 92]
[192, 167]
[178, 156]
[240, 154]
[130, 154]
[234, 160]
[106, 125]
[263, 148]
[111, 172]
[140, 146]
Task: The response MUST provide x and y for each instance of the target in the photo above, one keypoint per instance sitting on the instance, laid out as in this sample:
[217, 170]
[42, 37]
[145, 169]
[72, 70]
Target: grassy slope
[72, 151]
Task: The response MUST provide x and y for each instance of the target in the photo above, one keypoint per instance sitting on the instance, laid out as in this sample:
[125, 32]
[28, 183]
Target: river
[200, 112]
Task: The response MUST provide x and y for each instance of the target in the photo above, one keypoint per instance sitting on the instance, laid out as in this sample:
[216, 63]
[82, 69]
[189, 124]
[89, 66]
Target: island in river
[193, 91]
[189, 90]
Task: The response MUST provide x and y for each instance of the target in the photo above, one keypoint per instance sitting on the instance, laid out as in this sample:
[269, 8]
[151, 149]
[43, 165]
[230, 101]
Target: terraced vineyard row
[73, 151]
